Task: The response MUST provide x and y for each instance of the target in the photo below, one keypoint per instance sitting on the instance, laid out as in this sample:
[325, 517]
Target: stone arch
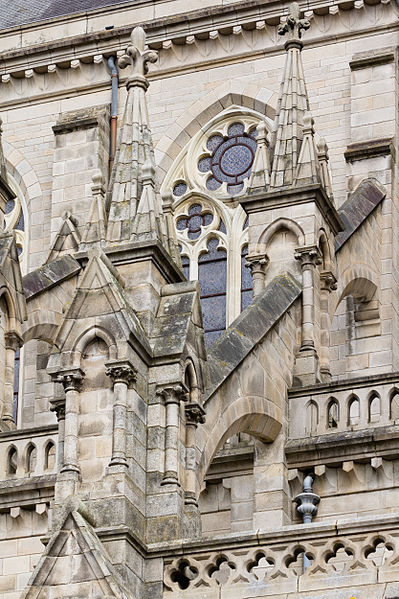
[325, 250]
[30, 458]
[277, 225]
[42, 324]
[359, 281]
[233, 93]
[353, 410]
[312, 416]
[50, 455]
[254, 415]
[23, 172]
[88, 336]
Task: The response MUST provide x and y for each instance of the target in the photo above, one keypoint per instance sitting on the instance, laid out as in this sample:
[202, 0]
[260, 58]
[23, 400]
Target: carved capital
[58, 406]
[173, 393]
[309, 256]
[121, 372]
[138, 56]
[13, 340]
[328, 280]
[71, 380]
[195, 414]
[257, 263]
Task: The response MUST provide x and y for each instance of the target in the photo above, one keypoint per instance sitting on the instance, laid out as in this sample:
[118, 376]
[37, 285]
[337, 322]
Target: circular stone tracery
[231, 159]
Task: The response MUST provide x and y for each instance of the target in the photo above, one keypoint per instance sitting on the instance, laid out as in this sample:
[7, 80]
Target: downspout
[114, 110]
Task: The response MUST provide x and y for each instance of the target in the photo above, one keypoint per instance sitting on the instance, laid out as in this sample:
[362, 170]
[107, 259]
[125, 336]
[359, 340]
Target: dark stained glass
[246, 281]
[204, 165]
[194, 222]
[185, 261]
[16, 385]
[212, 184]
[231, 159]
[10, 206]
[21, 222]
[212, 277]
[213, 142]
[179, 189]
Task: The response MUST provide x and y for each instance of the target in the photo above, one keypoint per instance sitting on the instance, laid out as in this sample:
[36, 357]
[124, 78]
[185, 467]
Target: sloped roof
[20, 12]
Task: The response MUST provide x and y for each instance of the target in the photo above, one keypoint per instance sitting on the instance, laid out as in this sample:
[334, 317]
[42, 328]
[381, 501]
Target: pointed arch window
[205, 180]
[212, 278]
[16, 220]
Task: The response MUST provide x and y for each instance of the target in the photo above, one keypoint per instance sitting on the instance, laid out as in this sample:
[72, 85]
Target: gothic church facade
[199, 300]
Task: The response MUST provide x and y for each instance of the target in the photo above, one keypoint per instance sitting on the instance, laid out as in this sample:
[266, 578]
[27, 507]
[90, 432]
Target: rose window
[194, 221]
[230, 160]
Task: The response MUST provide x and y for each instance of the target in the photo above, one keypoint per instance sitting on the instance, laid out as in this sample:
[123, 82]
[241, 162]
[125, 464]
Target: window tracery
[211, 227]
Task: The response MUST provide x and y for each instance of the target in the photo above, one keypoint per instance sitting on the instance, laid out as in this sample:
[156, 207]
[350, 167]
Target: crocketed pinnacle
[292, 105]
[135, 208]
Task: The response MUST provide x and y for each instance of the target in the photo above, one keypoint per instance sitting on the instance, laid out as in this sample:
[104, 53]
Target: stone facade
[199, 299]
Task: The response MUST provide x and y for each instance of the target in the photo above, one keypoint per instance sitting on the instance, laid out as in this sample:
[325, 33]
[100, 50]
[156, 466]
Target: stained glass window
[246, 281]
[212, 278]
[194, 222]
[231, 159]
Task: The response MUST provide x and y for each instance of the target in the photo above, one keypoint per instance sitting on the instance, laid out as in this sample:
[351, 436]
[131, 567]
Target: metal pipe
[114, 109]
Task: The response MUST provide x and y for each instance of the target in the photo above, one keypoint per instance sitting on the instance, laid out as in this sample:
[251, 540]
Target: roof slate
[21, 12]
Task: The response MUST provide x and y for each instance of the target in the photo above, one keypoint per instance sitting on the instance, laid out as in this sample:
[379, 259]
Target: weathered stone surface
[53, 273]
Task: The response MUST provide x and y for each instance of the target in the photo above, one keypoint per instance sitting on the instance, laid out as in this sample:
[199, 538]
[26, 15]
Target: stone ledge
[369, 149]
[371, 58]
[86, 118]
[342, 385]
[335, 448]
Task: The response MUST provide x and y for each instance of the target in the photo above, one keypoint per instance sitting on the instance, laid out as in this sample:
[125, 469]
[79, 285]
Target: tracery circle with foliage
[231, 158]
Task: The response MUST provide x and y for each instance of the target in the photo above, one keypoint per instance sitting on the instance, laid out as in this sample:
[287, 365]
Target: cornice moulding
[177, 29]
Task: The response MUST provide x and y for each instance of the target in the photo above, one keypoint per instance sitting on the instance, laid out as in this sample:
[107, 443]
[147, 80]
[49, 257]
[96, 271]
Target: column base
[190, 499]
[170, 479]
[70, 468]
[118, 461]
[307, 369]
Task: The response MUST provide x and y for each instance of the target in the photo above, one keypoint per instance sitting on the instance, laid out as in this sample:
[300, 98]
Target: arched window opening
[353, 411]
[394, 407]
[49, 456]
[312, 418]
[246, 280]
[31, 456]
[212, 277]
[374, 408]
[93, 364]
[12, 461]
[185, 262]
[333, 414]
[227, 502]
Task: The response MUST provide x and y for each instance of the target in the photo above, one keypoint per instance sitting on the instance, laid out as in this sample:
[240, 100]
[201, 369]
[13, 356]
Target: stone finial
[138, 56]
[294, 25]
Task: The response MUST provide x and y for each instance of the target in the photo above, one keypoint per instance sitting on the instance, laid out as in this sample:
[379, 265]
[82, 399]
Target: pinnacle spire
[94, 232]
[292, 105]
[135, 211]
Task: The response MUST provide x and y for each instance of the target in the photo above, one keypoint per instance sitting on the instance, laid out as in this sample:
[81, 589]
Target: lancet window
[211, 226]
[15, 220]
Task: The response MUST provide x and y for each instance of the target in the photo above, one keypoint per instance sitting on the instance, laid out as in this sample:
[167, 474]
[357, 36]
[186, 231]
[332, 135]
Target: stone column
[328, 283]
[59, 408]
[122, 375]
[195, 414]
[12, 343]
[309, 258]
[71, 381]
[172, 395]
[257, 263]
